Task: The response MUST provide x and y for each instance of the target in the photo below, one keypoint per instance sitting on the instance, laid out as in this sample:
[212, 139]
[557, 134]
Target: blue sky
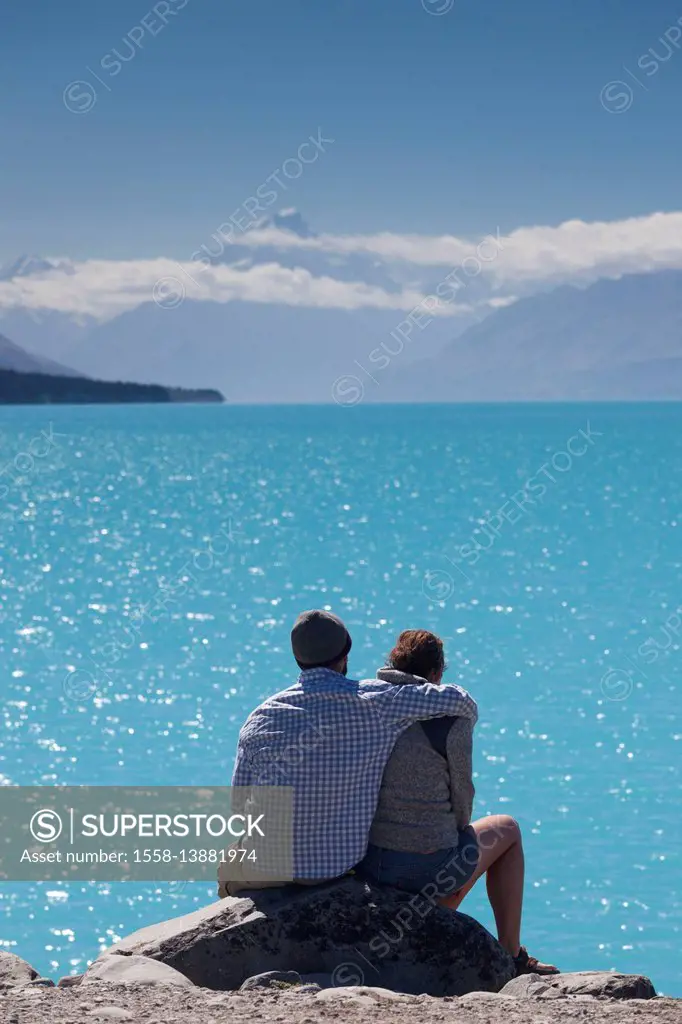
[486, 115]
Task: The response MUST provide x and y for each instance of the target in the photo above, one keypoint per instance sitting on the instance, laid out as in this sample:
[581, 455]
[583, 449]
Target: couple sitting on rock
[382, 778]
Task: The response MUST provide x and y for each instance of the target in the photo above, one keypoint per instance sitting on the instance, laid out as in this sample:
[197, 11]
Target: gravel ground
[153, 1004]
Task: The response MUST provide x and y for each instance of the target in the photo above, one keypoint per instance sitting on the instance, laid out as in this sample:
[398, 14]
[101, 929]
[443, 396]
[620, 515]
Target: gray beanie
[319, 639]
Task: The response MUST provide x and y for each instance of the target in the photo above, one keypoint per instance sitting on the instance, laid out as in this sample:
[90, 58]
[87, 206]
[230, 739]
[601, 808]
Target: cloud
[574, 249]
[524, 261]
[578, 250]
[105, 288]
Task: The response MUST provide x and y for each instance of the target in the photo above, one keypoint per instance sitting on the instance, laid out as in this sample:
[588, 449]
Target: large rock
[272, 979]
[14, 971]
[133, 970]
[602, 984]
[531, 986]
[360, 934]
[363, 995]
[69, 980]
[115, 1013]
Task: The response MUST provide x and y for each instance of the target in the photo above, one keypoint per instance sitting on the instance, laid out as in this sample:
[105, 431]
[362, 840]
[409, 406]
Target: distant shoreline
[17, 388]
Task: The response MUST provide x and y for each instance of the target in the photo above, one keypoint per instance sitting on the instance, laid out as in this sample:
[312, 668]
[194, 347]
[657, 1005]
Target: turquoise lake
[560, 609]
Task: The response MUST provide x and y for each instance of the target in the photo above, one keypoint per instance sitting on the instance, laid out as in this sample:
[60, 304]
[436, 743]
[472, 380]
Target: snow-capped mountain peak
[25, 266]
[286, 220]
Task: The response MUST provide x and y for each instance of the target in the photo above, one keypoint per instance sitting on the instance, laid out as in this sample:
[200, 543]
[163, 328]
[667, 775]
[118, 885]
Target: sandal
[526, 964]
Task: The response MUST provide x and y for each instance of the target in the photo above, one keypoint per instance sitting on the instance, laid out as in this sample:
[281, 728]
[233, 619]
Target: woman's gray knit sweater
[425, 799]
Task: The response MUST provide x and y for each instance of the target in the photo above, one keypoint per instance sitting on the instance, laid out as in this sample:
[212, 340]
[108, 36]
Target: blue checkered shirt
[330, 738]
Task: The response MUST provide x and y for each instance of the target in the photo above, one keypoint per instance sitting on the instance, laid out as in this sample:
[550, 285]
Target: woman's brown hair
[418, 652]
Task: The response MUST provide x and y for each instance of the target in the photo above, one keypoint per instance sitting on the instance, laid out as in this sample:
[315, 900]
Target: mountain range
[13, 357]
[28, 379]
[617, 338]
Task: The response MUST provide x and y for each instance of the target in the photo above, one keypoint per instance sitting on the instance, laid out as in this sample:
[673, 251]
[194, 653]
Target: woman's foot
[526, 964]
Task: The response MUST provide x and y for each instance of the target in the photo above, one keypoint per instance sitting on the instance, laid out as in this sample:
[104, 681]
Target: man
[330, 737]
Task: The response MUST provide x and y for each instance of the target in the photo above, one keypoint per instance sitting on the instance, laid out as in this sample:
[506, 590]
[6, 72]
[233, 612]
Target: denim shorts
[448, 869]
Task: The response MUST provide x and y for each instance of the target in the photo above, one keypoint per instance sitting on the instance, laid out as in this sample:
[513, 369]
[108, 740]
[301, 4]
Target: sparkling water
[543, 542]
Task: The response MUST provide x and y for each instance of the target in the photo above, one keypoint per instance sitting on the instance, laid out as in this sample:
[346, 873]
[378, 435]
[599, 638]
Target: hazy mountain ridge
[616, 338]
[193, 342]
[25, 379]
[254, 352]
[13, 357]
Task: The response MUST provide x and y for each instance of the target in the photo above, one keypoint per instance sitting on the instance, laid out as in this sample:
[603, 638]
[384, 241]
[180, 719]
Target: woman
[422, 837]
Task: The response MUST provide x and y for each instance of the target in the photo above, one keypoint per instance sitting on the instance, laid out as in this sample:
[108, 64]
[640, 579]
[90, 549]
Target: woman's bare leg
[501, 860]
